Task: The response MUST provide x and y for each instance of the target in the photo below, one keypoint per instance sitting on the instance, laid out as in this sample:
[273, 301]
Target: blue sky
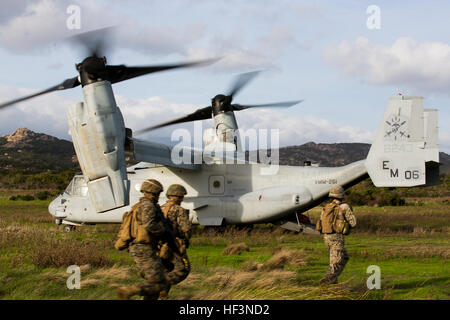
[320, 51]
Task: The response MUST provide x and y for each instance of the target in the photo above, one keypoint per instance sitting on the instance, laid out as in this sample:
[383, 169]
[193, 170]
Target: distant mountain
[335, 154]
[445, 160]
[323, 154]
[37, 152]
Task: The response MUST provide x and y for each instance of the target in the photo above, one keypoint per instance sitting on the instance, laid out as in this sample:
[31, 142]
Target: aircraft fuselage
[219, 193]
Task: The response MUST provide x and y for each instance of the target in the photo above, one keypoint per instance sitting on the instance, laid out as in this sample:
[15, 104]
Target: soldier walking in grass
[142, 229]
[335, 222]
[175, 259]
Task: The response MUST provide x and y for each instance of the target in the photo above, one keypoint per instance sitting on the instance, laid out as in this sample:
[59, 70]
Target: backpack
[328, 217]
[125, 232]
[330, 221]
[131, 230]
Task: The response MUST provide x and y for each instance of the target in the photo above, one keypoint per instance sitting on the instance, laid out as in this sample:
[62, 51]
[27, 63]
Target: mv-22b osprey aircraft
[403, 154]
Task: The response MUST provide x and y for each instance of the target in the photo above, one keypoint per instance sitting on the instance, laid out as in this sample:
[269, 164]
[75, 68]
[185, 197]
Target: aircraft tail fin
[405, 151]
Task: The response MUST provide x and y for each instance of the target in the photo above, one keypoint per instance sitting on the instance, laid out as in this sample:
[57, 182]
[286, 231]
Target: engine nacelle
[98, 134]
[226, 128]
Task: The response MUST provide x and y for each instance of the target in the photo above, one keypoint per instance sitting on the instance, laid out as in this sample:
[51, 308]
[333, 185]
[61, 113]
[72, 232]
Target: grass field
[410, 244]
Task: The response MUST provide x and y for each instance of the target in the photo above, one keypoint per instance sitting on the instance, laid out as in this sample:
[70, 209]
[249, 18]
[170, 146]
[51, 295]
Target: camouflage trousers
[338, 255]
[151, 268]
[178, 268]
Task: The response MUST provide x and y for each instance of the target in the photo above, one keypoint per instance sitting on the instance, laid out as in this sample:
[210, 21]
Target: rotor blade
[238, 107]
[96, 42]
[200, 114]
[122, 72]
[242, 80]
[66, 84]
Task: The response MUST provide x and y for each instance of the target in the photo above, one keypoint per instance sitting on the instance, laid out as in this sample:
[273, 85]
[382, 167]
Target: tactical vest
[165, 208]
[172, 218]
[181, 243]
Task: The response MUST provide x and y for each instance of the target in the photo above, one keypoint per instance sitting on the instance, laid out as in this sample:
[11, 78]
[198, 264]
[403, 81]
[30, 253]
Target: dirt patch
[235, 249]
[286, 257]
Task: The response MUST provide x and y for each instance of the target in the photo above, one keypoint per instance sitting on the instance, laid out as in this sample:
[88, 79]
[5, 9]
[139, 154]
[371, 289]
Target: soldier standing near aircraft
[176, 260]
[335, 222]
[147, 230]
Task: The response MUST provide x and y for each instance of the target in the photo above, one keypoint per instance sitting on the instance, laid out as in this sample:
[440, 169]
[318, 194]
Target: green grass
[411, 245]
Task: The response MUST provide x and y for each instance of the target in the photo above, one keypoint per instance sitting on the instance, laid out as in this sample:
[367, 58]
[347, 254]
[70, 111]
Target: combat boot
[125, 293]
[164, 294]
[328, 280]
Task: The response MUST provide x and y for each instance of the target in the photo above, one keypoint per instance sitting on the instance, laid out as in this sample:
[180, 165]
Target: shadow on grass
[420, 283]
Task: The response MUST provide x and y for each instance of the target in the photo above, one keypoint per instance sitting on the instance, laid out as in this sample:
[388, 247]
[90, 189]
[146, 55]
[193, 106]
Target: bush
[358, 199]
[26, 197]
[43, 195]
[391, 199]
[47, 180]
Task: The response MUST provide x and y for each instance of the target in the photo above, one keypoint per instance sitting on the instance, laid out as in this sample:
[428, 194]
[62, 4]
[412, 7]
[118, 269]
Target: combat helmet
[176, 190]
[151, 186]
[336, 192]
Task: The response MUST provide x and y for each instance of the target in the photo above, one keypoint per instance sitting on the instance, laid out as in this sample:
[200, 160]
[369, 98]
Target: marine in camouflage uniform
[145, 252]
[176, 261]
[335, 241]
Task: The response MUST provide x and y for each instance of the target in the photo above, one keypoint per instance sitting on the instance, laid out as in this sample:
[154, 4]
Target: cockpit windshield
[77, 187]
[69, 188]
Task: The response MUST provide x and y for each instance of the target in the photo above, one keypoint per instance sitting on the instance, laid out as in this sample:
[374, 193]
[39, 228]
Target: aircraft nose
[57, 207]
[52, 206]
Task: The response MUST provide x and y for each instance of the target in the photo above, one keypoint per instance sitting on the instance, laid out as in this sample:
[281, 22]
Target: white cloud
[158, 40]
[40, 23]
[406, 63]
[296, 130]
[143, 113]
[240, 54]
[47, 114]
[309, 11]
[11, 8]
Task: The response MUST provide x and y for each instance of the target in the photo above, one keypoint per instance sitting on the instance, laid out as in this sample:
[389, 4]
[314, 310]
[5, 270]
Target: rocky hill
[34, 152]
[324, 155]
[334, 154]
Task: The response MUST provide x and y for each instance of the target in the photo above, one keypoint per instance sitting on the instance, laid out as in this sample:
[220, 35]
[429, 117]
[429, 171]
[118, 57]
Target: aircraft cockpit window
[79, 187]
[69, 188]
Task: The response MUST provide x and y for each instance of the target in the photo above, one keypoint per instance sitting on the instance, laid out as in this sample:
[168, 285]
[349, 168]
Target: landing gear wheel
[68, 228]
